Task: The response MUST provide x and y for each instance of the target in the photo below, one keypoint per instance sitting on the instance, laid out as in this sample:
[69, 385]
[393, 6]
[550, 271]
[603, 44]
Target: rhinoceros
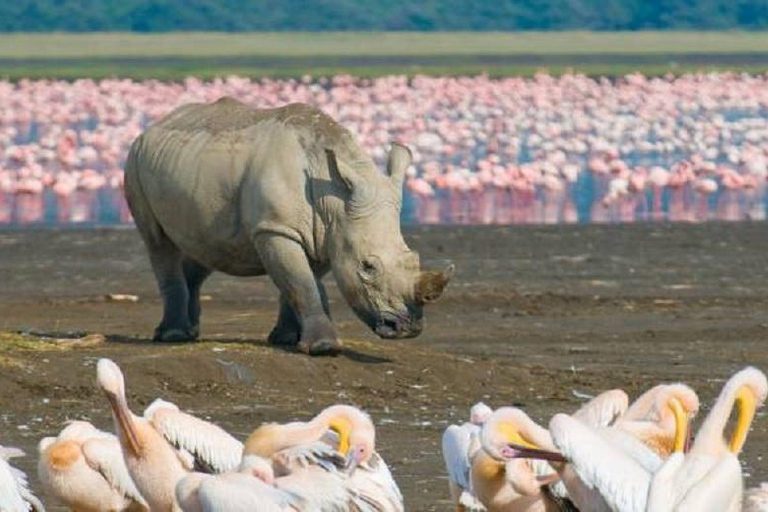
[285, 192]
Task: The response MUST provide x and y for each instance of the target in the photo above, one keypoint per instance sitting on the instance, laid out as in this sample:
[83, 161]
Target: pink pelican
[292, 445]
[83, 468]
[165, 444]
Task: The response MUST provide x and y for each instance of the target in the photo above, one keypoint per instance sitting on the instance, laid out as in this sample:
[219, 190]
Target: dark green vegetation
[173, 56]
[427, 15]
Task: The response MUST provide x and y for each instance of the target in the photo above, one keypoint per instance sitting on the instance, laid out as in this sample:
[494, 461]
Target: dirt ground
[536, 317]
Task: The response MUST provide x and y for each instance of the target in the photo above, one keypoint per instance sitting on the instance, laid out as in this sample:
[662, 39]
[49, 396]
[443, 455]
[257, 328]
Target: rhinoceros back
[208, 175]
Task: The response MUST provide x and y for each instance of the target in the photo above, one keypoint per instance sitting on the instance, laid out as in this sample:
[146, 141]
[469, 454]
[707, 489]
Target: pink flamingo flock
[504, 151]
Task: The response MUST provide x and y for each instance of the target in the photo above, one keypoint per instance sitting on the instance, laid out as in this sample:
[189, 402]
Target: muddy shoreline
[536, 317]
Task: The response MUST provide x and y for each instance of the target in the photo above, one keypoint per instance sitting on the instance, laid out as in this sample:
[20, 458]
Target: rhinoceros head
[376, 271]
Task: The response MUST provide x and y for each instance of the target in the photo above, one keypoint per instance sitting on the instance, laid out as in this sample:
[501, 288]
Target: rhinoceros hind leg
[287, 331]
[194, 274]
[287, 265]
[167, 264]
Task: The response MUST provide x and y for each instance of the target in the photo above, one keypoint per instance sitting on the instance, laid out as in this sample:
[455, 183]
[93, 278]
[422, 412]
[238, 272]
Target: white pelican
[505, 482]
[83, 468]
[293, 449]
[15, 495]
[651, 418]
[708, 478]
[166, 444]
[252, 487]
[460, 443]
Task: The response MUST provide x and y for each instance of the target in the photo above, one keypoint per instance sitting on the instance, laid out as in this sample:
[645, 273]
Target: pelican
[83, 468]
[708, 478]
[166, 444]
[15, 495]
[460, 443]
[502, 478]
[251, 487]
[299, 453]
[495, 477]
[652, 419]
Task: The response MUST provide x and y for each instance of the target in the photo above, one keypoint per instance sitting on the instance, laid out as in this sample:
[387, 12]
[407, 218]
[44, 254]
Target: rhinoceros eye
[370, 268]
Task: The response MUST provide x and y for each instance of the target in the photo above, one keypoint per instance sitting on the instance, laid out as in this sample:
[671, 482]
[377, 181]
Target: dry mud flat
[536, 316]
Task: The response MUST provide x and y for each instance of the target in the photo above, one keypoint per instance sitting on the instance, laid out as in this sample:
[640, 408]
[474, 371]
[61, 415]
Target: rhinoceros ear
[360, 191]
[400, 159]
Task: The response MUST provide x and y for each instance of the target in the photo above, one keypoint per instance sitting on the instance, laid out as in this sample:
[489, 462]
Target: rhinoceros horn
[431, 285]
[400, 159]
[361, 194]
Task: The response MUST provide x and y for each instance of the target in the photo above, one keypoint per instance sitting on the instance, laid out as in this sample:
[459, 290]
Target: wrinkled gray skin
[285, 192]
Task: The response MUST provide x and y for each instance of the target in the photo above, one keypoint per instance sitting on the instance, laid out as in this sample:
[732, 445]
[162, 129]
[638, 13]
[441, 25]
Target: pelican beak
[747, 405]
[682, 424]
[124, 419]
[344, 431]
[689, 436]
[517, 451]
[351, 462]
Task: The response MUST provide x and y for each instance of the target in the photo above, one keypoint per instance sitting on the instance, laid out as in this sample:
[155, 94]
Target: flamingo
[165, 444]
[83, 468]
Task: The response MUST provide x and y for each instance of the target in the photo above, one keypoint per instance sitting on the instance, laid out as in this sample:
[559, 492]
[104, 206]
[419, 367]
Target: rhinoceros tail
[145, 219]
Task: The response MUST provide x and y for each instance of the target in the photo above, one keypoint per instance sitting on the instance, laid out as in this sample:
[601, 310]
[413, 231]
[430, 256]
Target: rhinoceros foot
[284, 336]
[176, 334]
[318, 337]
[321, 347]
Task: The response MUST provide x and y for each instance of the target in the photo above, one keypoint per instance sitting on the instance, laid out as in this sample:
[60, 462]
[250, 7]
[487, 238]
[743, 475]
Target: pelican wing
[243, 493]
[456, 443]
[214, 450]
[301, 457]
[374, 489]
[604, 409]
[620, 480]
[104, 455]
[633, 447]
[14, 491]
[664, 490]
[719, 489]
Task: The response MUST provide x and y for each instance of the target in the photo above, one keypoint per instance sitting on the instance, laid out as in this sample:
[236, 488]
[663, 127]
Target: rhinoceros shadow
[347, 352]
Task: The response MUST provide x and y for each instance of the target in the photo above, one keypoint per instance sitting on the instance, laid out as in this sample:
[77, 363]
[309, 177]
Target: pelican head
[678, 404]
[110, 378]
[258, 467]
[479, 413]
[111, 381]
[751, 388]
[509, 434]
[357, 435]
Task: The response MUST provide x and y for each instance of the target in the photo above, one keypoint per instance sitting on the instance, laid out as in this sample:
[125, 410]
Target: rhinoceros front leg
[287, 331]
[302, 301]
